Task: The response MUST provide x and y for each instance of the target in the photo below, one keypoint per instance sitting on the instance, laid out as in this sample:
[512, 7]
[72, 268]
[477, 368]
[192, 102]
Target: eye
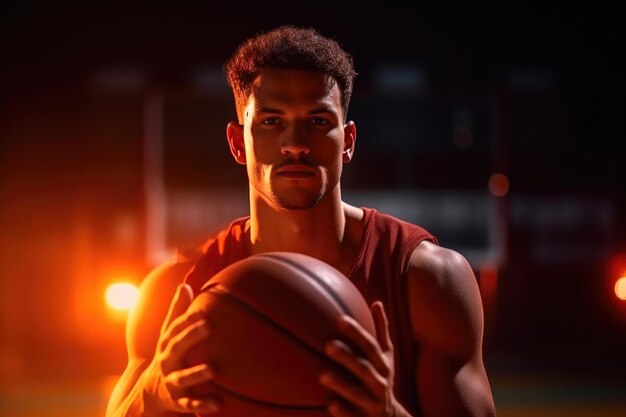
[318, 121]
[271, 121]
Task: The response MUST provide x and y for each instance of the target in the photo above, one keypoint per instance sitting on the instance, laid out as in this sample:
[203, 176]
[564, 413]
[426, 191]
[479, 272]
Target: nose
[293, 142]
[294, 149]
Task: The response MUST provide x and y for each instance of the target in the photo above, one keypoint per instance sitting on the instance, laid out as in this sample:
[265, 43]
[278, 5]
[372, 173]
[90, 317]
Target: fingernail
[325, 378]
[208, 372]
[332, 348]
[204, 405]
[333, 407]
[203, 327]
[196, 316]
[345, 322]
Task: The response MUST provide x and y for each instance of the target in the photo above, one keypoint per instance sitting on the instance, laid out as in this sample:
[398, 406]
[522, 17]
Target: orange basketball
[270, 316]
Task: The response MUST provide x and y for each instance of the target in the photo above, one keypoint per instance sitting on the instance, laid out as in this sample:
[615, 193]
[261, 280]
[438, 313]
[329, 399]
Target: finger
[185, 378]
[361, 368]
[189, 336]
[337, 409]
[198, 405]
[181, 300]
[365, 342]
[178, 325]
[180, 343]
[351, 393]
[382, 326]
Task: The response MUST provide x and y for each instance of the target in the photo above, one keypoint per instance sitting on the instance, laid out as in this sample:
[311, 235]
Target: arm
[447, 321]
[158, 333]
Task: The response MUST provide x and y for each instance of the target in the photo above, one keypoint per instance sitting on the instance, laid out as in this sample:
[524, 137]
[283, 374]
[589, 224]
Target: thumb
[181, 300]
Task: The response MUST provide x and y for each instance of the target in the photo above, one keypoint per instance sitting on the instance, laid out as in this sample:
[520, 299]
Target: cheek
[258, 161]
[334, 149]
[256, 173]
[262, 148]
[261, 154]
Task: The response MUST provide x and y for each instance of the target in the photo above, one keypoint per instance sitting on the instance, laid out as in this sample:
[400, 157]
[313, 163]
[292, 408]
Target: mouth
[295, 171]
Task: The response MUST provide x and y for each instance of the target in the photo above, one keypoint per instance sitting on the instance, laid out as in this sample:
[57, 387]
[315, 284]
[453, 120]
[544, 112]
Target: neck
[319, 232]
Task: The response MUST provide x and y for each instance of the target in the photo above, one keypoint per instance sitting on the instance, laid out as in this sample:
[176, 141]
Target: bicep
[445, 304]
[450, 387]
[447, 322]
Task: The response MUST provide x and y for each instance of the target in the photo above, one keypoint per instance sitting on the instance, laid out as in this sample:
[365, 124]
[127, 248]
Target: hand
[166, 378]
[371, 393]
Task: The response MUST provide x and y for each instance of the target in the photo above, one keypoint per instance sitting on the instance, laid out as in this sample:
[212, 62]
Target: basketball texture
[270, 316]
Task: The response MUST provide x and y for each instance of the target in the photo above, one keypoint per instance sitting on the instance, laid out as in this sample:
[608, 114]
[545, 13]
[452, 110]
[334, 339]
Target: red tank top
[379, 272]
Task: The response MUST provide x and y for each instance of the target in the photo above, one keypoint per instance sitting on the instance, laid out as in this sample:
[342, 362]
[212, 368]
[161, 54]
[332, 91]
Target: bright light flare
[620, 288]
[122, 296]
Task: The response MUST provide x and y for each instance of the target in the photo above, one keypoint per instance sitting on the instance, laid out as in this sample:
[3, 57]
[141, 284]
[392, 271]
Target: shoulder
[164, 277]
[155, 294]
[445, 303]
[439, 262]
[393, 228]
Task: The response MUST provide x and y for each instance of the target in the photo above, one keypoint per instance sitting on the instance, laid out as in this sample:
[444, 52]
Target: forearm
[132, 405]
[134, 401]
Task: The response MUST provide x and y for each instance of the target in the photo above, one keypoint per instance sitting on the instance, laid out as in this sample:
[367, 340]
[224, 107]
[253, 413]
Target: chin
[293, 206]
[294, 202]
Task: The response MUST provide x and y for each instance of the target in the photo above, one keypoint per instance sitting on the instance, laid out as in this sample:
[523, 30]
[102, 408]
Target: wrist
[149, 397]
[397, 410]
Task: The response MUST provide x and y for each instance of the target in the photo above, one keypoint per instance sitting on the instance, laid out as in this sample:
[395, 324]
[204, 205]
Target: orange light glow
[620, 288]
[498, 184]
[615, 285]
[122, 296]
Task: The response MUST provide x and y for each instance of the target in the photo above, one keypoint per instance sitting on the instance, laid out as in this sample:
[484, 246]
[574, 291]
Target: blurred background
[500, 129]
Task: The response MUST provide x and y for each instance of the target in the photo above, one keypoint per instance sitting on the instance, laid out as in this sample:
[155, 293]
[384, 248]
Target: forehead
[277, 86]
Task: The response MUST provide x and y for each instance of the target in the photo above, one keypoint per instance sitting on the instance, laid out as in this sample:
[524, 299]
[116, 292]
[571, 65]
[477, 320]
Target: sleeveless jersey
[379, 272]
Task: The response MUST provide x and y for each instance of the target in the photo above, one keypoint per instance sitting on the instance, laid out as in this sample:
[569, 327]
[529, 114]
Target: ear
[234, 134]
[349, 141]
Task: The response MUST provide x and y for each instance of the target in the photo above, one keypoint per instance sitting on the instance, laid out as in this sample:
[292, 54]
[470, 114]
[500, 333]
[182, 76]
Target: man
[292, 89]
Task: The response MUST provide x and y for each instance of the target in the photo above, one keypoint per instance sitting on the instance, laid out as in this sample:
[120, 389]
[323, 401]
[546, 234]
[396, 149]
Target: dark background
[540, 89]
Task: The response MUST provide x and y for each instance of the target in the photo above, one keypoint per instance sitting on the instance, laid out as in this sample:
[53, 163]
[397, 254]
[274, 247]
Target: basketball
[270, 317]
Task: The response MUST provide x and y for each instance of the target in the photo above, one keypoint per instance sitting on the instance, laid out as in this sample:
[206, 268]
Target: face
[293, 138]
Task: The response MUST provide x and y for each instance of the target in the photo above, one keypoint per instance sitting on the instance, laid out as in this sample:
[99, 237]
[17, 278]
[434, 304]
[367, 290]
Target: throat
[333, 248]
[328, 233]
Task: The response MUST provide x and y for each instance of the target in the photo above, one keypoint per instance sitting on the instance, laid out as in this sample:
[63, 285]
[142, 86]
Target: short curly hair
[288, 47]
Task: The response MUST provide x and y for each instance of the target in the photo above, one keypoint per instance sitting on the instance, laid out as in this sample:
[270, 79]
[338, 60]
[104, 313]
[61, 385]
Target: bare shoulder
[445, 303]
[155, 294]
[447, 323]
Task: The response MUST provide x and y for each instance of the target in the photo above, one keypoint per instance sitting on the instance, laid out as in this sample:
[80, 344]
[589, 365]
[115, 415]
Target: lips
[295, 171]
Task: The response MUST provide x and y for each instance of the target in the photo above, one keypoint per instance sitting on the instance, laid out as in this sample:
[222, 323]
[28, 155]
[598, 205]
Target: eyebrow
[319, 110]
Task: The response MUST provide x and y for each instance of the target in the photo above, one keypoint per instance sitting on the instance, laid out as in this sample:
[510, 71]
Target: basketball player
[292, 88]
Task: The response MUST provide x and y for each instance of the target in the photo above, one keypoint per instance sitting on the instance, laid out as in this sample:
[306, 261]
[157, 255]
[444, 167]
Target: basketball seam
[220, 291]
[319, 281]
